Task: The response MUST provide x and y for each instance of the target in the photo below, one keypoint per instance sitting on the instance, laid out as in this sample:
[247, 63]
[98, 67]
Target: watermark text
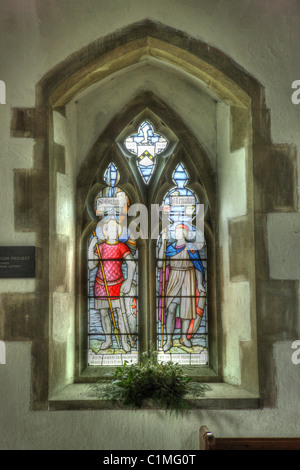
[2, 353]
[139, 227]
[296, 353]
[2, 92]
[296, 94]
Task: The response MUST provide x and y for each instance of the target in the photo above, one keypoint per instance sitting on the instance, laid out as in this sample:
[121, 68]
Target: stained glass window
[181, 279]
[146, 144]
[112, 274]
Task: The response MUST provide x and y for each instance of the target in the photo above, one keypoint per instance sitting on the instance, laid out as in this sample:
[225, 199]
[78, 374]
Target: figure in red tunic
[110, 282]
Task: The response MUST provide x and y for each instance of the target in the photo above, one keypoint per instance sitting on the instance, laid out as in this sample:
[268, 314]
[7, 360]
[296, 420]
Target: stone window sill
[221, 396]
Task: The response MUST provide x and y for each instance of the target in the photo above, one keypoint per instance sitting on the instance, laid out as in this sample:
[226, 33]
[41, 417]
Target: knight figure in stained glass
[184, 287]
[112, 300]
[181, 279]
[110, 284]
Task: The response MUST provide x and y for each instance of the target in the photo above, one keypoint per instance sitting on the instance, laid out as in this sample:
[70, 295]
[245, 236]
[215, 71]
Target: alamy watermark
[2, 92]
[2, 353]
[296, 353]
[160, 220]
[296, 94]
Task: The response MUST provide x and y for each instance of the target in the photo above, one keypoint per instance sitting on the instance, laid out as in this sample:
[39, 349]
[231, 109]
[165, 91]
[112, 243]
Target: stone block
[277, 306]
[275, 178]
[240, 248]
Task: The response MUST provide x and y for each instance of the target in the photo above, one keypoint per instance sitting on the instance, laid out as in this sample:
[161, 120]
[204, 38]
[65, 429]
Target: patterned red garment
[112, 256]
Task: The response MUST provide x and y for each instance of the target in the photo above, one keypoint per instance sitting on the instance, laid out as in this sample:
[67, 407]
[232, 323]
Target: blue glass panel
[146, 172]
[112, 175]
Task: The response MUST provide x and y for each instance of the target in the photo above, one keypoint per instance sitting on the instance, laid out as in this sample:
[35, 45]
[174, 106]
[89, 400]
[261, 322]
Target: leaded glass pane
[146, 144]
[112, 280]
[181, 279]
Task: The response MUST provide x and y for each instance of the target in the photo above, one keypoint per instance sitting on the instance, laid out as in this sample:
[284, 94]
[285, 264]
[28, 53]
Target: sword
[163, 294]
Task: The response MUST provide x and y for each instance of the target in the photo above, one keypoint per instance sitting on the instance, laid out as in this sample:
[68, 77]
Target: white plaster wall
[13, 155]
[263, 37]
[232, 203]
[63, 301]
[96, 108]
[134, 430]
[65, 182]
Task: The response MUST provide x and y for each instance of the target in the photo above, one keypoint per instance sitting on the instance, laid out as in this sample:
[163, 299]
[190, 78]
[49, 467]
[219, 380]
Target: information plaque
[17, 262]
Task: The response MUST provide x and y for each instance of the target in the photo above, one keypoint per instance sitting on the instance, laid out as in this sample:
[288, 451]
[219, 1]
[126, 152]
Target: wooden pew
[209, 442]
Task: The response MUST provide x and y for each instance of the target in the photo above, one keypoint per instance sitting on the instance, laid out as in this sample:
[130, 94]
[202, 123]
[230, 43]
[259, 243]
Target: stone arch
[35, 204]
[90, 174]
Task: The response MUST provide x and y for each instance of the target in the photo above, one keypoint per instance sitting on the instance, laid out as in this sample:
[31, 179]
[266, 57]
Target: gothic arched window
[116, 329]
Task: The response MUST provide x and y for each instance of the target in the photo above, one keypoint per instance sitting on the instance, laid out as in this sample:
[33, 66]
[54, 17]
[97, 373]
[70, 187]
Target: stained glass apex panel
[146, 144]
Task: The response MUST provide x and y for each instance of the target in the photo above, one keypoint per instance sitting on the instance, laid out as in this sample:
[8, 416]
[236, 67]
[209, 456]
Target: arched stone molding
[30, 317]
[202, 179]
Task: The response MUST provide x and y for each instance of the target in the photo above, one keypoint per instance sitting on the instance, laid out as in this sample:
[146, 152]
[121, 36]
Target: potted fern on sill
[165, 385]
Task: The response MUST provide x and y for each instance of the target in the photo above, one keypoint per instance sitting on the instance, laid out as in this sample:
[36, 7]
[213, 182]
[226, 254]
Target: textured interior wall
[232, 204]
[132, 430]
[62, 172]
[97, 106]
[35, 36]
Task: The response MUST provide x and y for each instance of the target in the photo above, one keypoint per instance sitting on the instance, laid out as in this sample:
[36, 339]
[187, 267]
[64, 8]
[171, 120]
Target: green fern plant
[165, 384]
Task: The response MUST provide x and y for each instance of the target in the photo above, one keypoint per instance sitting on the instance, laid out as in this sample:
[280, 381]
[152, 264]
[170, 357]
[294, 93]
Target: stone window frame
[29, 316]
[106, 149]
